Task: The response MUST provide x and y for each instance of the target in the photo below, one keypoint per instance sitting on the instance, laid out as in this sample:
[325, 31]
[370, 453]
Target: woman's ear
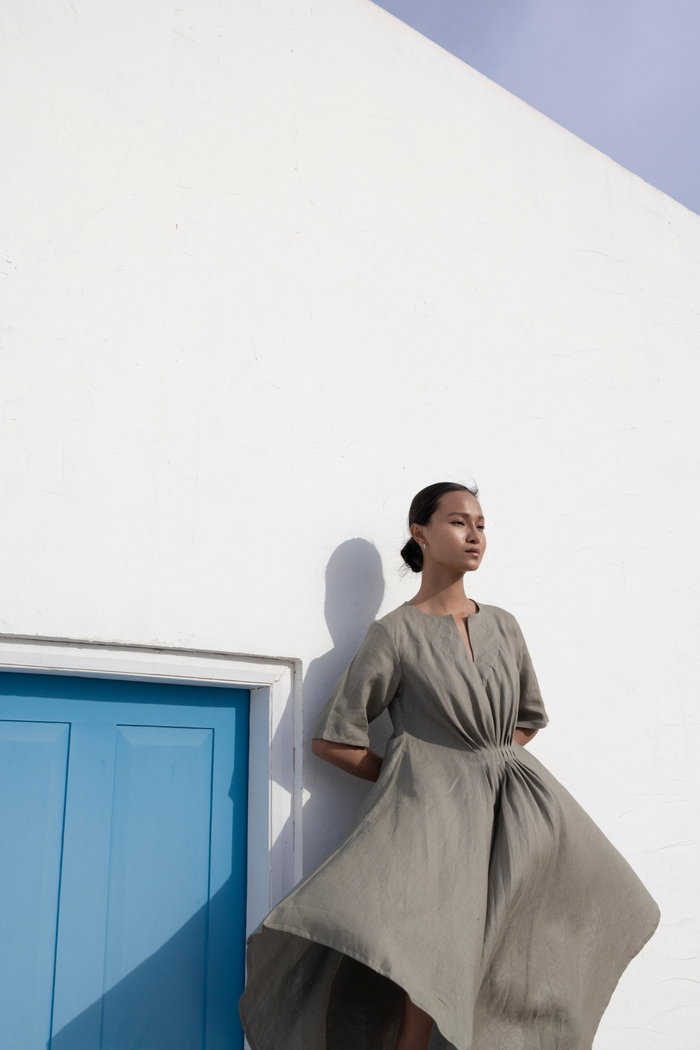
[417, 533]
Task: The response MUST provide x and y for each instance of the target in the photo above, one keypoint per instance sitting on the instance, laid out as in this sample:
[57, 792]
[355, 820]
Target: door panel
[227, 924]
[86, 854]
[151, 911]
[33, 759]
[159, 877]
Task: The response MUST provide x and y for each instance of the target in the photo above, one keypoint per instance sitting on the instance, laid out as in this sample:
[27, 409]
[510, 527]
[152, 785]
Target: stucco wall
[271, 268]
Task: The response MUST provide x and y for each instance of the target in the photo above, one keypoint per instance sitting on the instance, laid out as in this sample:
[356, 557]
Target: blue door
[123, 834]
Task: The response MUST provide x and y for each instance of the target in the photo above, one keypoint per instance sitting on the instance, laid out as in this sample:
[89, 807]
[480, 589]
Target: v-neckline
[471, 657]
[469, 651]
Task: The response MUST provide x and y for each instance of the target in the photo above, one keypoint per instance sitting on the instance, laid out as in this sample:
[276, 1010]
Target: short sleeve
[531, 711]
[363, 691]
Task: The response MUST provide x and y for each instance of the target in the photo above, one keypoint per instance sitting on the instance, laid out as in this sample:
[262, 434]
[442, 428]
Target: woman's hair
[423, 506]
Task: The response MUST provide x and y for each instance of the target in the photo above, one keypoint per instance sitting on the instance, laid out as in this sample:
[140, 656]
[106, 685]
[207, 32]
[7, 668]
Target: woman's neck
[441, 597]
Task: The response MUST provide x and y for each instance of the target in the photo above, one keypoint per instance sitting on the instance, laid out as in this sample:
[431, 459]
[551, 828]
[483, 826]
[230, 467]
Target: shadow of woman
[162, 1003]
[354, 594]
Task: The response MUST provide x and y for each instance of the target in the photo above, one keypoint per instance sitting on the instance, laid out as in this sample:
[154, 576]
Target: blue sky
[623, 75]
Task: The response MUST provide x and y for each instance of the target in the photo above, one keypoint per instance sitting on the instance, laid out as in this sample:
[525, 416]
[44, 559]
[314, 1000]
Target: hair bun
[413, 555]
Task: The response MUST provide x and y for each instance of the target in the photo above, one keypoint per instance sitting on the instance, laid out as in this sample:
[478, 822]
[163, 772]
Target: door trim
[274, 778]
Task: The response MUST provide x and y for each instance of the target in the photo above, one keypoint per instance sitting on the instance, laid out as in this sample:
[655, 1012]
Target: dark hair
[423, 506]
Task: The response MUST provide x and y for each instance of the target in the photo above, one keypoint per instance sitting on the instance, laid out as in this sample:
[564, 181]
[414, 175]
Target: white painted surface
[273, 268]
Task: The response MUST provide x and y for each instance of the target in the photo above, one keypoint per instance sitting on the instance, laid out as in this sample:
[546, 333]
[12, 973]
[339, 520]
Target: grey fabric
[470, 878]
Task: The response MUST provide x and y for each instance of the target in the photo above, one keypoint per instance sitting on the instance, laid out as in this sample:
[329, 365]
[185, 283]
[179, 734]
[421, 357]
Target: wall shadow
[354, 594]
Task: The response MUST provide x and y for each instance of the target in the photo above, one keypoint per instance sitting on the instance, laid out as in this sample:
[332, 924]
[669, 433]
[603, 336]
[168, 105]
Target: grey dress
[470, 878]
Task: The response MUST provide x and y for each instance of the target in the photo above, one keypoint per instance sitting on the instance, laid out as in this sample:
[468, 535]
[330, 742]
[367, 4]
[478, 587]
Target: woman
[473, 904]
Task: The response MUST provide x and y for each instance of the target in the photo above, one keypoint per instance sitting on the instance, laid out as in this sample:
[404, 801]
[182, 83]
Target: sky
[624, 75]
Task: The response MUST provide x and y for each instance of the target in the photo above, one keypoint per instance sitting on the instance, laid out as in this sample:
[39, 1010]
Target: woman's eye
[458, 523]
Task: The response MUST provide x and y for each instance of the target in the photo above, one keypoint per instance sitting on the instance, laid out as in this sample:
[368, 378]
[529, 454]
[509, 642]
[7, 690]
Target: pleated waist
[452, 742]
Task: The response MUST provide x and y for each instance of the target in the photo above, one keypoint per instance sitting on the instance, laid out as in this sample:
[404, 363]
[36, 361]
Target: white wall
[270, 269]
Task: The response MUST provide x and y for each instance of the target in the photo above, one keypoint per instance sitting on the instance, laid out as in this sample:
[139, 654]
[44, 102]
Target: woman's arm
[524, 736]
[359, 761]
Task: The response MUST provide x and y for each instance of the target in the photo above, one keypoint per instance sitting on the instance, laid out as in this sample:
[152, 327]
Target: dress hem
[296, 931]
[645, 938]
[284, 927]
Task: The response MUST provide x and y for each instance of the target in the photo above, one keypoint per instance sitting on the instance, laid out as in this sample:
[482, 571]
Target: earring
[425, 545]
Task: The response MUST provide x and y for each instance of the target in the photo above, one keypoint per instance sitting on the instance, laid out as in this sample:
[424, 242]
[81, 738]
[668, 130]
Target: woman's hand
[524, 736]
[359, 761]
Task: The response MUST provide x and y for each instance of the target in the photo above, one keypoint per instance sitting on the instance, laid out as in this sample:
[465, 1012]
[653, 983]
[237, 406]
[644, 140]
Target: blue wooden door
[123, 876]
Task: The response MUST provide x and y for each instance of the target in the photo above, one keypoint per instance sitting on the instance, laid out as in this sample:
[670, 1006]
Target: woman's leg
[416, 1025]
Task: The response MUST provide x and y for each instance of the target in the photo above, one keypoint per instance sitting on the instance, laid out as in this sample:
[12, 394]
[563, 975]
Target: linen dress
[470, 878]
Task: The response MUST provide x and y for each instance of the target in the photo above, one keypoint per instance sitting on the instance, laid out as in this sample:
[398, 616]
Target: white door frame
[275, 790]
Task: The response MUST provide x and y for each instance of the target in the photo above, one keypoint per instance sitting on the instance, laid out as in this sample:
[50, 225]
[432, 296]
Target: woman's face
[454, 537]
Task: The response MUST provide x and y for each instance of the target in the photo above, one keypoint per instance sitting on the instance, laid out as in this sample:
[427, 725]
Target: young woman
[473, 905]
